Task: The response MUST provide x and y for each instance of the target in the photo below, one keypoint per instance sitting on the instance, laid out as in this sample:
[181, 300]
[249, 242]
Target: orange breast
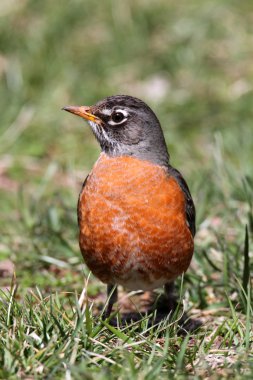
[133, 228]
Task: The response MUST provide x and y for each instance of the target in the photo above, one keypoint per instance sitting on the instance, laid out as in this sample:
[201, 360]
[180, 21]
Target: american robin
[135, 212]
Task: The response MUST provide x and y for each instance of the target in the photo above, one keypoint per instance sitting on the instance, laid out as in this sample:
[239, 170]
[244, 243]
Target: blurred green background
[191, 61]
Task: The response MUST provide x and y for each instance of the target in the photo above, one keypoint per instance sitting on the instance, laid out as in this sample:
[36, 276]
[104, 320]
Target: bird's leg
[112, 295]
[170, 296]
[187, 324]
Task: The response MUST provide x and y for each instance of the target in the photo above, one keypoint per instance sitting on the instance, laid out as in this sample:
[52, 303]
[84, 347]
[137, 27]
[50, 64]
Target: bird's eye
[117, 117]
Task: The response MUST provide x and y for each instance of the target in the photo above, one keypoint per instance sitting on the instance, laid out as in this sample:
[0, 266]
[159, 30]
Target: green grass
[192, 62]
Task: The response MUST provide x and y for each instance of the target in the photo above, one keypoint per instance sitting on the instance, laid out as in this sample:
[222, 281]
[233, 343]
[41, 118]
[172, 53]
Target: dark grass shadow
[160, 312]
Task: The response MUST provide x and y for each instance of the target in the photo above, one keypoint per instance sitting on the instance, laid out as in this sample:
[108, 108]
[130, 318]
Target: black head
[124, 125]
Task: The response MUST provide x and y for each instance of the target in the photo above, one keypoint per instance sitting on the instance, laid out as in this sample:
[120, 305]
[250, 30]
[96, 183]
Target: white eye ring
[118, 116]
[125, 113]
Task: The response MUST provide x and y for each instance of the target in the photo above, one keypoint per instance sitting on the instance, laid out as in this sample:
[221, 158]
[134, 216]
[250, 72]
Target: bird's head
[124, 125]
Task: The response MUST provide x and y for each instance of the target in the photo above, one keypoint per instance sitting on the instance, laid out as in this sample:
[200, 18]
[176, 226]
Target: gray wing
[78, 202]
[189, 208]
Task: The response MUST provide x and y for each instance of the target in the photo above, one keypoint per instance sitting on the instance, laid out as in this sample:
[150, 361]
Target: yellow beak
[82, 111]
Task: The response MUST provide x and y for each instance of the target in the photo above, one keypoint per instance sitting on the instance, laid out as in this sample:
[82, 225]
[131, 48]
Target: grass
[192, 62]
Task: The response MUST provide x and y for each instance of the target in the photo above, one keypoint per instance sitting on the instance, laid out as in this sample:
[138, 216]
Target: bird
[136, 215]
